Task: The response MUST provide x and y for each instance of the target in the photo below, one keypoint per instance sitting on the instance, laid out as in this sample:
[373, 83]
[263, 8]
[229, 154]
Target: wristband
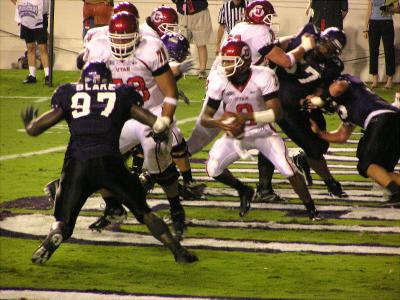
[265, 116]
[170, 100]
[292, 59]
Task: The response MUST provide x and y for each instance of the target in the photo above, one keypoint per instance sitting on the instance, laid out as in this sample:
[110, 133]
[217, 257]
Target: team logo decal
[257, 11]
[157, 17]
[245, 52]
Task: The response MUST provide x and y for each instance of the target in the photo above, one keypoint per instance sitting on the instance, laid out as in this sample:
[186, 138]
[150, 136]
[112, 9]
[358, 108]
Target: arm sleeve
[160, 60]
[58, 100]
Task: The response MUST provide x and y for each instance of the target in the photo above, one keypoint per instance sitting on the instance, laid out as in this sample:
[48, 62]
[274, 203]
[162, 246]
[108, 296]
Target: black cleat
[178, 224]
[184, 256]
[51, 189]
[394, 200]
[111, 217]
[314, 215]
[47, 248]
[30, 79]
[304, 169]
[246, 196]
[191, 190]
[335, 188]
[267, 196]
[47, 80]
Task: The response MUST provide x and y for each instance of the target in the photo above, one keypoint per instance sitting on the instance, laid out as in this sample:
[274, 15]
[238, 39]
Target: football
[230, 118]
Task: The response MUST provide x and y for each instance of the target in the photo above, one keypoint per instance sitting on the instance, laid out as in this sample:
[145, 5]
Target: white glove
[185, 66]
[161, 124]
[307, 42]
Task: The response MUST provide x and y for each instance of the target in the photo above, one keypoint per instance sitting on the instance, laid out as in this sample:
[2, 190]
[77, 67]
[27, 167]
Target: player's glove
[186, 65]
[29, 114]
[159, 137]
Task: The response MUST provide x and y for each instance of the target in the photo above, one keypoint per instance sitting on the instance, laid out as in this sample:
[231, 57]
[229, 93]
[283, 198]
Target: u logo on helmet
[245, 52]
[157, 17]
[257, 11]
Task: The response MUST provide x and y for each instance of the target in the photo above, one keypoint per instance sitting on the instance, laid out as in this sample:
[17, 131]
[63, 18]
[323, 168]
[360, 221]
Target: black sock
[310, 206]
[227, 178]
[187, 176]
[393, 187]
[112, 204]
[175, 204]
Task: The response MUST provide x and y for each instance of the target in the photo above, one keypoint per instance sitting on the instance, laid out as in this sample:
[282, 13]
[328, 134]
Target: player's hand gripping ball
[234, 125]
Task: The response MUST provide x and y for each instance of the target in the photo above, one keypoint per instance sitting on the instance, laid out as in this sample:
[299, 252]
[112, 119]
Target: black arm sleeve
[213, 103]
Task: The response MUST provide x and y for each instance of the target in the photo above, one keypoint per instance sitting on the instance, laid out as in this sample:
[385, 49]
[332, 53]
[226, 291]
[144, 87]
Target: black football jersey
[358, 102]
[95, 116]
[313, 70]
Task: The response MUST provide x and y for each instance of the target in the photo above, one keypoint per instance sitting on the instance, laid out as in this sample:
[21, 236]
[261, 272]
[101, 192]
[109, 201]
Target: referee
[231, 12]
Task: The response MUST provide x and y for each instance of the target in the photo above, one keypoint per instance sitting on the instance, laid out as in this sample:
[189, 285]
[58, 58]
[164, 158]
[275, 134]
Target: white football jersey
[247, 98]
[146, 30]
[256, 36]
[94, 33]
[138, 70]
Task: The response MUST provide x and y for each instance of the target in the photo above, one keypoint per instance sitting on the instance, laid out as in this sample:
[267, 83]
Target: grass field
[274, 252]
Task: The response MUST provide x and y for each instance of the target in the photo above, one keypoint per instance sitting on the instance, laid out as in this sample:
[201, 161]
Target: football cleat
[394, 200]
[182, 255]
[335, 188]
[47, 80]
[314, 215]
[183, 97]
[178, 224]
[267, 196]
[304, 169]
[111, 218]
[47, 248]
[191, 190]
[50, 189]
[246, 196]
[30, 79]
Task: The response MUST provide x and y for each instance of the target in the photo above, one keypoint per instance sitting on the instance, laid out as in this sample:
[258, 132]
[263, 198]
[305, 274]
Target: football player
[378, 150]
[128, 54]
[96, 110]
[318, 67]
[251, 93]
[257, 33]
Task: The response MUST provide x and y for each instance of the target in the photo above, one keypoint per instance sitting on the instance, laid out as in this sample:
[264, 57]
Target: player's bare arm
[36, 125]
[167, 84]
[340, 135]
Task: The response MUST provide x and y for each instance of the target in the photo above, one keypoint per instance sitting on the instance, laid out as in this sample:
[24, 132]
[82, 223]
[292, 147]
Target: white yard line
[38, 224]
[64, 295]
[28, 154]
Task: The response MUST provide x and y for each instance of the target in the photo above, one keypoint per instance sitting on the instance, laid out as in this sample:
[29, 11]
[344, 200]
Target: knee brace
[169, 176]
[180, 150]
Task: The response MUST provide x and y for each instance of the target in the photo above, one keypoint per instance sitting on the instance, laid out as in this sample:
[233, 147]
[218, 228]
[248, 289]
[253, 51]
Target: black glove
[160, 136]
[29, 114]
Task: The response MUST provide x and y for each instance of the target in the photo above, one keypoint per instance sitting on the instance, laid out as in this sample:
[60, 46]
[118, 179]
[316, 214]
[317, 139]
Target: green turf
[152, 269]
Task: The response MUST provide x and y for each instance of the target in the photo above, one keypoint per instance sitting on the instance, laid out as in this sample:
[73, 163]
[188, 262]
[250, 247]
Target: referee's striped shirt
[229, 14]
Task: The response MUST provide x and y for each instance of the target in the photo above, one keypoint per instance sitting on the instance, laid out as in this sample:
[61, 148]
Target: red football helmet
[235, 57]
[128, 7]
[123, 34]
[260, 12]
[164, 19]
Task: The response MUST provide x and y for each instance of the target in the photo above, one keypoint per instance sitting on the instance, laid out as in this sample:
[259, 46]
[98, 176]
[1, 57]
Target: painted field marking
[28, 154]
[38, 225]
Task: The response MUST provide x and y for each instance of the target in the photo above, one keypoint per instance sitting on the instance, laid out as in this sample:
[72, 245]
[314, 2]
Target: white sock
[32, 71]
[46, 71]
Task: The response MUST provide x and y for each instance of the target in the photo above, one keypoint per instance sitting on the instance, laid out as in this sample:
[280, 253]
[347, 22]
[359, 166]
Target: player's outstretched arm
[36, 125]
[143, 115]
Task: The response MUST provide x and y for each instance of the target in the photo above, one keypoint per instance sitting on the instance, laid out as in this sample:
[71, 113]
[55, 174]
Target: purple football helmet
[334, 39]
[177, 46]
[96, 72]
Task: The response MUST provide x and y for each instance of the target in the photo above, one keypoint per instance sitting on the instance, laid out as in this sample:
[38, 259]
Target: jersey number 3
[81, 104]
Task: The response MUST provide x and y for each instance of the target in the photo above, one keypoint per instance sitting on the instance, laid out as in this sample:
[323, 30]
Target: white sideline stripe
[353, 212]
[38, 224]
[274, 225]
[255, 171]
[42, 99]
[28, 154]
[52, 295]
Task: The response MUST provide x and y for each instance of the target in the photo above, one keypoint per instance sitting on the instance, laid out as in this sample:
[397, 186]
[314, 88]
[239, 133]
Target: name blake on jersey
[95, 87]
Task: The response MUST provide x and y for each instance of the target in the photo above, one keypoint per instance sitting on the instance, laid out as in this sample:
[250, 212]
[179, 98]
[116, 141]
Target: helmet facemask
[230, 65]
[123, 45]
